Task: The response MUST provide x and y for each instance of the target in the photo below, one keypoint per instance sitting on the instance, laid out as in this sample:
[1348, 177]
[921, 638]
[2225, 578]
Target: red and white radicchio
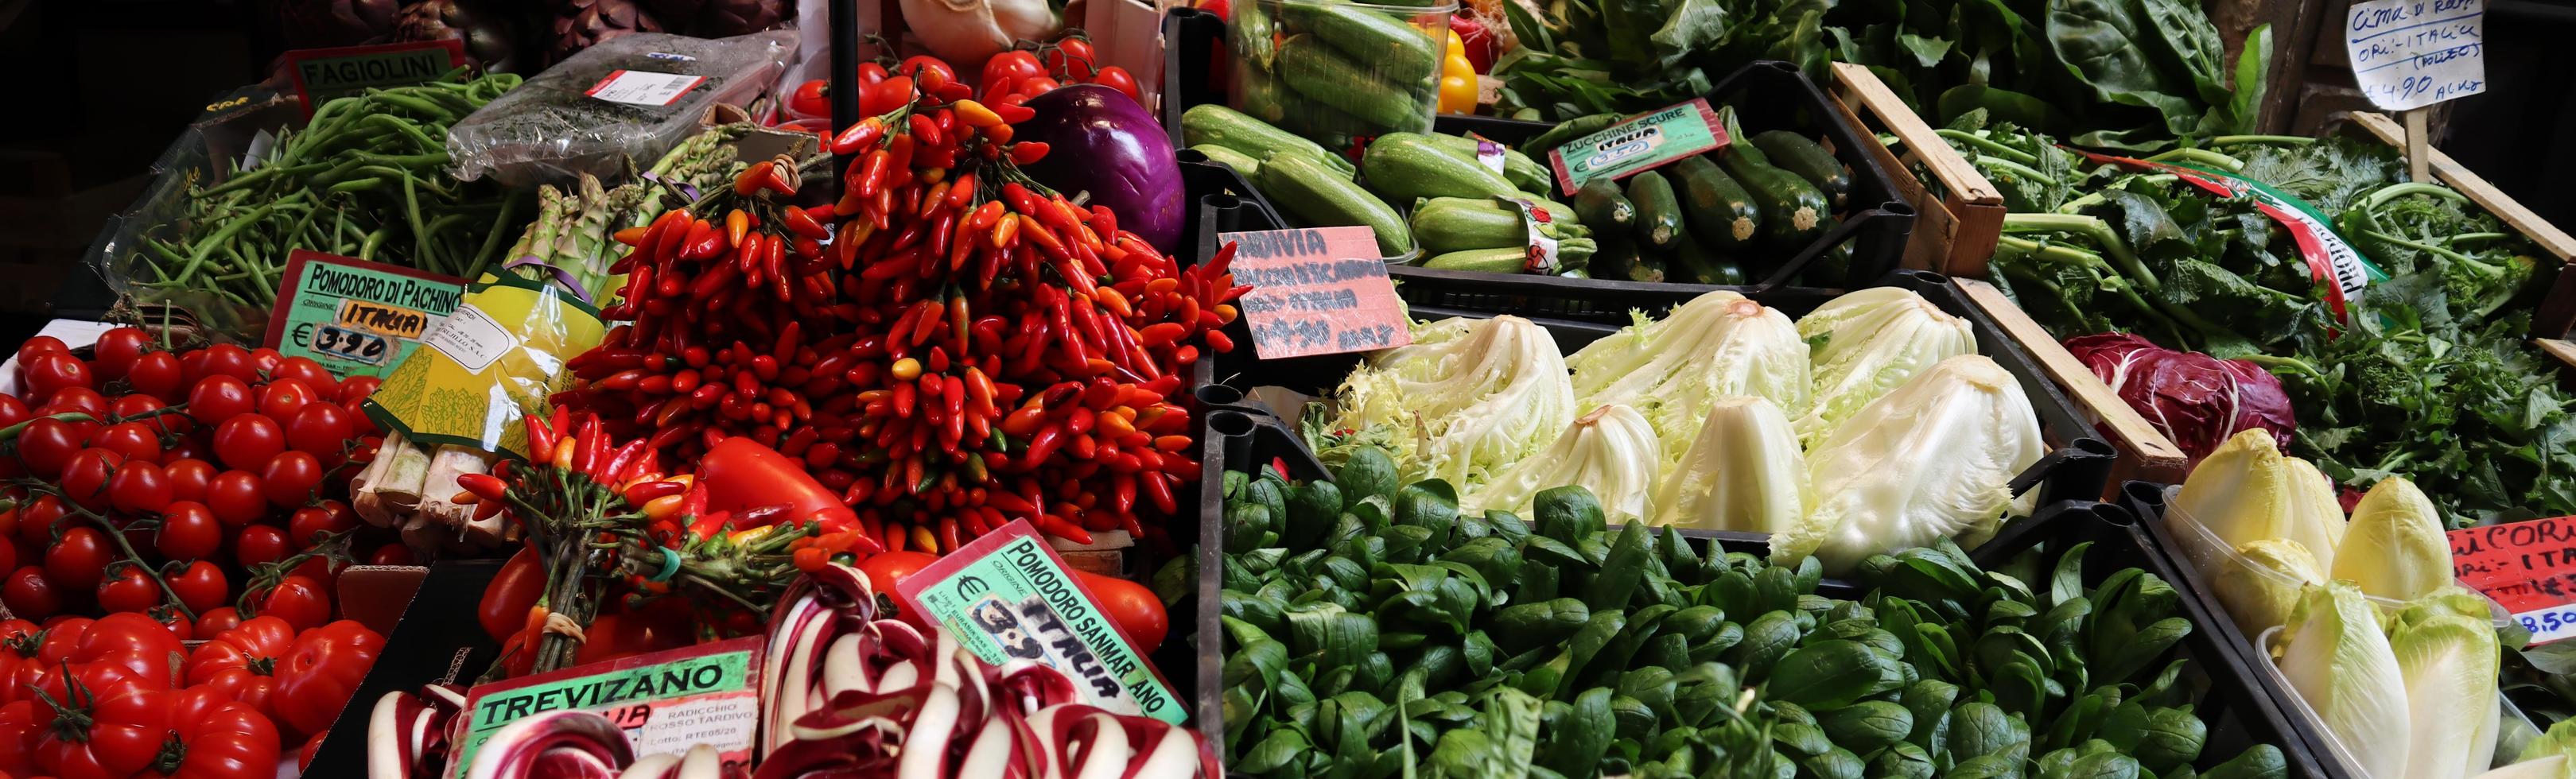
[2196, 400]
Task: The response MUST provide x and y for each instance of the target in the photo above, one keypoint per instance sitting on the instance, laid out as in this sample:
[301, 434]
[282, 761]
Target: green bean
[411, 210]
[433, 110]
[222, 234]
[367, 250]
[492, 237]
[357, 185]
[406, 127]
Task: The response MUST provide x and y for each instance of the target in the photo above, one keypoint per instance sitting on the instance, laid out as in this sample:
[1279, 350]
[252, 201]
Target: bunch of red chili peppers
[965, 349]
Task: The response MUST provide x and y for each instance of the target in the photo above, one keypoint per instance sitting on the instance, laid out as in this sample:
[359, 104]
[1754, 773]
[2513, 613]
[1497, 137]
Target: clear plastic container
[1337, 71]
[2209, 561]
[2512, 726]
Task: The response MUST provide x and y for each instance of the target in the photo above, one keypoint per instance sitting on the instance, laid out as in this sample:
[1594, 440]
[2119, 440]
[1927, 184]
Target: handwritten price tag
[2409, 54]
[1316, 291]
[2549, 624]
[2528, 567]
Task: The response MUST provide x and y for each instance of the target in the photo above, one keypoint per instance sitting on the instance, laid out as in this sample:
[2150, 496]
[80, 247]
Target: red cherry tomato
[283, 397]
[188, 478]
[248, 441]
[131, 439]
[214, 622]
[265, 360]
[310, 522]
[192, 447]
[46, 373]
[128, 590]
[189, 531]
[79, 560]
[291, 478]
[238, 498]
[1071, 60]
[43, 344]
[139, 487]
[259, 545]
[14, 411]
[46, 445]
[310, 373]
[812, 98]
[218, 398]
[357, 388]
[1034, 86]
[36, 522]
[1117, 78]
[298, 600]
[321, 428]
[230, 360]
[84, 479]
[201, 586]
[390, 554]
[117, 350]
[30, 595]
[81, 400]
[890, 94]
[1010, 67]
[156, 374]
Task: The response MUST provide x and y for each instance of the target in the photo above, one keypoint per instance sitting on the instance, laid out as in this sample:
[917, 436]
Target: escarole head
[1474, 397]
[1869, 342]
[1928, 461]
[1610, 451]
[1717, 345]
[1744, 472]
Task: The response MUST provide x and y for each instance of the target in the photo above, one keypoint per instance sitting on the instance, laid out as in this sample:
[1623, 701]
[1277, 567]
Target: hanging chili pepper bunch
[606, 532]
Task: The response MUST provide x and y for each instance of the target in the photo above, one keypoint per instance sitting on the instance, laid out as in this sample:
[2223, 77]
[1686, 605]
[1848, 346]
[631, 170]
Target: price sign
[1008, 597]
[322, 74]
[1316, 291]
[2408, 54]
[665, 701]
[357, 318]
[1640, 143]
[2528, 567]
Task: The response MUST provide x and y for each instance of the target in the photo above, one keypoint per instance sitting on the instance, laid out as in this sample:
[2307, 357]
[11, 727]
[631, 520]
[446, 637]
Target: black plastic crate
[1878, 218]
[438, 640]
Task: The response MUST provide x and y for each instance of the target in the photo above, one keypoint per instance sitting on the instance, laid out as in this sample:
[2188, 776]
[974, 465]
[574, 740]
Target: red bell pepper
[739, 474]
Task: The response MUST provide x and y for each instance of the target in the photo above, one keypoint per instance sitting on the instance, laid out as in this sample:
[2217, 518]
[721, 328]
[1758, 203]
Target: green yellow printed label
[357, 318]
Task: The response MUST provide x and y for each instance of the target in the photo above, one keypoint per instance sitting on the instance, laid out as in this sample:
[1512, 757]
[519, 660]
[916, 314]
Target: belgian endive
[1472, 396]
[1869, 342]
[2281, 571]
[1744, 472]
[1718, 344]
[1610, 451]
[2337, 660]
[2247, 491]
[1925, 462]
[2395, 547]
[2449, 661]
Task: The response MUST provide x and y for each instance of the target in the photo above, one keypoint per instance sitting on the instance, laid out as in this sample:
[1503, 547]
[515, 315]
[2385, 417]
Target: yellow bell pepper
[1457, 79]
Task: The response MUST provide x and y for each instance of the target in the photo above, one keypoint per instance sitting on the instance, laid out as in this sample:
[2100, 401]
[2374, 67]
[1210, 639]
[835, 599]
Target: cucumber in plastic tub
[1333, 70]
[632, 97]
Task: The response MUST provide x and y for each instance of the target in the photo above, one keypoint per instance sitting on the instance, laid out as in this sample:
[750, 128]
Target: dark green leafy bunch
[1372, 629]
[2428, 377]
[2135, 74]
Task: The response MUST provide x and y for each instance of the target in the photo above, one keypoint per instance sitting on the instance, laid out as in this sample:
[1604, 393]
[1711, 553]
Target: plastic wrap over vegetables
[1867, 343]
[1744, 472]
[851, 694]
[1468, 398]
[2195, 400]
[1611, 451]
[1930, 460]
[1671, 369]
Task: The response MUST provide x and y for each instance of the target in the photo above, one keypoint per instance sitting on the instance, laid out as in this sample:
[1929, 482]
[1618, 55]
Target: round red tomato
[80, 400]
[283, 397]
[117, 349]
[14, 411]
[1131, 606]
[43, 344]
[200, 586]
[310, 373]
[189, 447]
[885, 96]
[238, 498]
[131, 439]
[30, 595]
[298, 600]
[46, 445]
[79, 560]
[47, 373]
[156, 374]
[390, 554]
[1071, 59]
[218, 398]
[189, 531]
[84, 479]
[265, 360]
[1036, 85]
[128, 590]
[188, 478]
[139, 487]
[259, 545]
[357, 388]
[291, 478]
[309, 523]
[246, 442]
[811, 98]
[36, 521]
[214, 622]
[321, 428]
[230, 360]
[1010, 67]
[318, 676]
[1117, 78]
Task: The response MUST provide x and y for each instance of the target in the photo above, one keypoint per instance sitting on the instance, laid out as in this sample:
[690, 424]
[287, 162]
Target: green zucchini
[1404, 166]
[1447, 224]
[1321, 197]
[1388, 48]
[1795, 153]
[1692, 262]
[1240, 162]
[1317, 71]
[1570, 255]
[1718, 209]
[1615, 258]
[1222, 126]
[1793, 211]
[1659, 214]
[1601, 206]
[1518, 168]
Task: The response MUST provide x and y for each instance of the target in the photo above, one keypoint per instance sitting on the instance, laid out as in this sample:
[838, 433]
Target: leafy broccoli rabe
[1375, 630]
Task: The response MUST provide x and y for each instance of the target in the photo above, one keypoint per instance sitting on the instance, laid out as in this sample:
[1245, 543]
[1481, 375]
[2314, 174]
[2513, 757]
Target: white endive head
[1474, 395]
[2449, 662]
[2263, 584]
[2337, 661]
[2247, 491]
[2395, 547]
[1867, 343]
[1920, 464]
[1744, 472]
[1611, 452]
[1718, 344]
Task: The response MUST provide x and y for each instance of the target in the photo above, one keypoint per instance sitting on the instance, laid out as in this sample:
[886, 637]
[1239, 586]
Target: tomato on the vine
[14, 411]
[46, 445]
[1118, 78]
[291, 478]
[189, 531]
[312, 375]
[200, 586]
[357, 388]
[79, 559]
[812, 98]
[238, 498]
[390, 554]
[281, 398]
[139, 487]
[47, 373]
[77, 400]
[316, 679]
[129, 590]
[1008, 69]
[29, 594]
[117, 349]
[884, 96]
[156, 374]
[307, 524]
[188, 478]
[259, 545]
[43, 344]
[265, 360]
[214, 622]
[298, 600]
[36, 521]
[1071, 59]
[247, 442]
[229, 360]
[218, 398]
[84, 478]
[131, 439]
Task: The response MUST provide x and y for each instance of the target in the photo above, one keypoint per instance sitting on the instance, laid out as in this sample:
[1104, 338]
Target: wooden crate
[2145, 453]
[1955, 232]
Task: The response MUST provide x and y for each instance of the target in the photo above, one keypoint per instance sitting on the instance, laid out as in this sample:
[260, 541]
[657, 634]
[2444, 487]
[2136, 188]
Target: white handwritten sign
[2408, 54]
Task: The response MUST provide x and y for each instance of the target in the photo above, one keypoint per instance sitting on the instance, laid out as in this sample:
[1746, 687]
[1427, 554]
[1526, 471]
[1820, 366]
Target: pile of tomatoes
[1006, 79]
[122, 696]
